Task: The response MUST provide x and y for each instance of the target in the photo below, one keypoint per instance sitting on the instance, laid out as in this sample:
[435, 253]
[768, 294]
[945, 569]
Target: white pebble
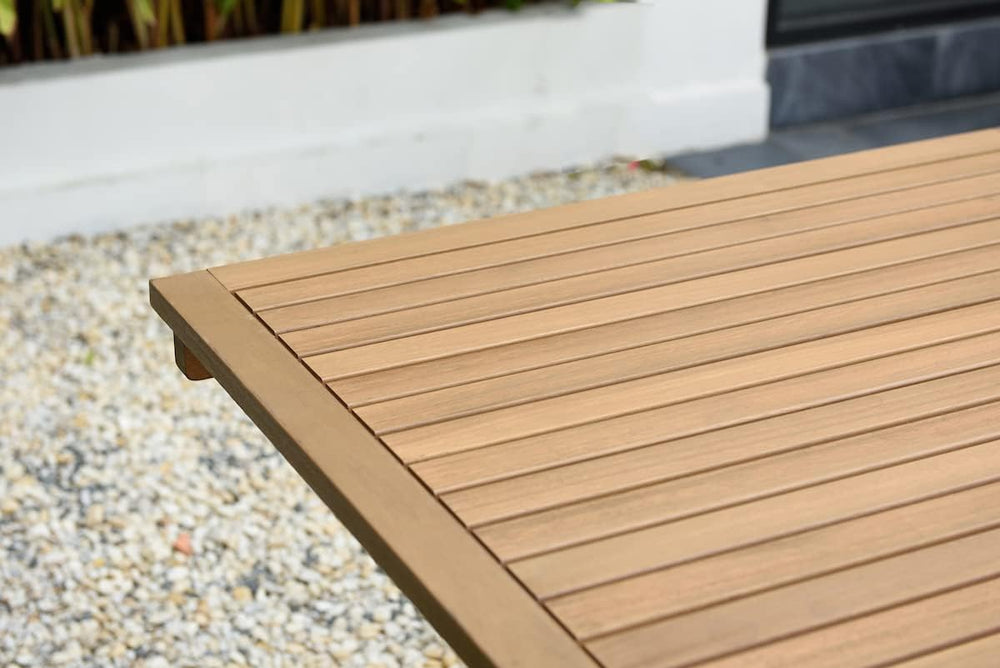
[107, 455]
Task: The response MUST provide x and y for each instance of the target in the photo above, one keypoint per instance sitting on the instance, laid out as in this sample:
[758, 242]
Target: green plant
[32, 30]
[8, 17]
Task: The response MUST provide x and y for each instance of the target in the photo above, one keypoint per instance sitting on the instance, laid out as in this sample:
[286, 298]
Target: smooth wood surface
[508, 473]
[445, 571]
[514, 261]
[757, 266]
[736, 482]
[968, 651]
[633, 363]
[660, 503]
[538, 353]
[715, 413]
[753, 421]
[671, 591]
[697, 253]
[327, 260]
[838, 596]
[630, 305]
[880, 638]
[662, 415]
[663, 545]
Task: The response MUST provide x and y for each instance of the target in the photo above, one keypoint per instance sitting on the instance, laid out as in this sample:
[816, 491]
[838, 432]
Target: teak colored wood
[750, 421]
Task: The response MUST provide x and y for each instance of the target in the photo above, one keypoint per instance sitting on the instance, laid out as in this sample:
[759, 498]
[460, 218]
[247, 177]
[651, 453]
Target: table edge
[470, 598]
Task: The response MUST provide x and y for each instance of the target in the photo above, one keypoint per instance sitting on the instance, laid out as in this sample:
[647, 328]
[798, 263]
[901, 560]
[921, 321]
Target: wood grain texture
[896, 633]
[455, 582]
[732, 409]
[668, 501]
[563, 412]
[752, 421]
[602, 514]
[695, 585]
[695, 253]
[321, 261]
[631, 305]
[465, 368]
[715, 532]
[475, 270]
[726, 262]
[748, 622]
[634, 363]
[502, 476]
[969, 651]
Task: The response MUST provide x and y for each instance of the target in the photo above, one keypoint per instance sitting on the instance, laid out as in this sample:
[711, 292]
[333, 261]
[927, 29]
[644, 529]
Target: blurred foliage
[32, 30]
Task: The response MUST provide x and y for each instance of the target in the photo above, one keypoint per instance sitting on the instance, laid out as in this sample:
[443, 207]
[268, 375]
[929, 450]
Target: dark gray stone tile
[825, 81]
[935, 123]
[812, 142]
[857, 134]
[849, 77]
[968, 60]
[733, 159]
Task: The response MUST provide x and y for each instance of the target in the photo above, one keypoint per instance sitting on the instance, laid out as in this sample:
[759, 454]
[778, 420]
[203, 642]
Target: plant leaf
[225, 7]
[144, 11]
[8, 17]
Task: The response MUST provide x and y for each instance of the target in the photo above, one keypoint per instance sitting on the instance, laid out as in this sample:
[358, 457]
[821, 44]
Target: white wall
[198, 131]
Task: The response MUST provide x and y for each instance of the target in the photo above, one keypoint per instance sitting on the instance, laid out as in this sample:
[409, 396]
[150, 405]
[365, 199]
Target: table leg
[192, 368]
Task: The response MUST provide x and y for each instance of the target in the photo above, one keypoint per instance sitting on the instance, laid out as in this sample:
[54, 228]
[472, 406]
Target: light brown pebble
[242, 594]
[433, 652]
[95, 515]
[369, 630]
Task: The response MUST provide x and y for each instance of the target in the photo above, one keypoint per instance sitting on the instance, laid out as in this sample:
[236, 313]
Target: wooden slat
[665, 545]
[444, 570]
[687, 234]
[631, 278]
[632, 305]
[698, 584]
[664, 389]
[981, 652]
[725, 246]
[715, 316]
[876, 639]
[597, 371]
[289, 267]
[672, 500]
[748, 622]
[630, 481]
[738, 421]
[735, 408]
[520, 476]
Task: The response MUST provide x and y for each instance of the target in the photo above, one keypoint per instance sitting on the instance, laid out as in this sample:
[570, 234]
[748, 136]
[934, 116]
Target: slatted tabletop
[752, 421]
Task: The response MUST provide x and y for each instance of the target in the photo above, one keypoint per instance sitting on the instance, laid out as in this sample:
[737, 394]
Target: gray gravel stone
[143, 519]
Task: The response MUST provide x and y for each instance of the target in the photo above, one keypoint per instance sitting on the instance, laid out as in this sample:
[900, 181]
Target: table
[747, 421]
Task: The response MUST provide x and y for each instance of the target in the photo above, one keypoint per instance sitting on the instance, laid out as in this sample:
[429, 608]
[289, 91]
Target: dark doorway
[792, 21]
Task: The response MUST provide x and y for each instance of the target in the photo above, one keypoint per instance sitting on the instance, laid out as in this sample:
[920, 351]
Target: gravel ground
[143, 519]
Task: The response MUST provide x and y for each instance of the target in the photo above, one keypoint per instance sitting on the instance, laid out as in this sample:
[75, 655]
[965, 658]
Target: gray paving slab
[808, 142]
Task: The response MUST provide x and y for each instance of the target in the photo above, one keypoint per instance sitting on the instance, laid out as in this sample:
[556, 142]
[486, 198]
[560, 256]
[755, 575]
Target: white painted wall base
[98, 145]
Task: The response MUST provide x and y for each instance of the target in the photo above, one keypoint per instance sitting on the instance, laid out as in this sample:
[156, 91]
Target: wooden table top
[740, 422]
